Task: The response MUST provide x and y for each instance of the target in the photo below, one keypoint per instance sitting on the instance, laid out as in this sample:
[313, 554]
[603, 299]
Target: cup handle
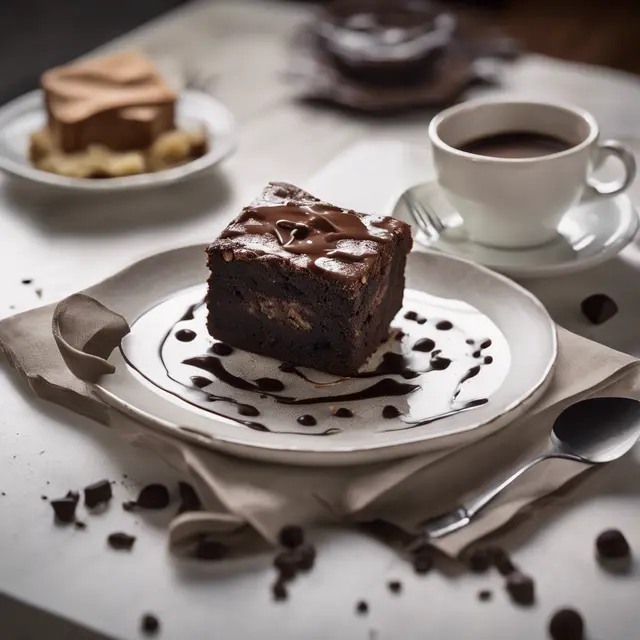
[625, 155]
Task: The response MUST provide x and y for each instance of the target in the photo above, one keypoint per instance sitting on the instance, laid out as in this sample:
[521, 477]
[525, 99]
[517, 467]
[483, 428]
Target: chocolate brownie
[306, 282]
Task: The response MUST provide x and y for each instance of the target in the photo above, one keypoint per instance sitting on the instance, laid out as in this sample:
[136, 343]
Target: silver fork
[427, 219]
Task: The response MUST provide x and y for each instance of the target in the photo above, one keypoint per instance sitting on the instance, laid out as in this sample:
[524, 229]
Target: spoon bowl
[597, 430]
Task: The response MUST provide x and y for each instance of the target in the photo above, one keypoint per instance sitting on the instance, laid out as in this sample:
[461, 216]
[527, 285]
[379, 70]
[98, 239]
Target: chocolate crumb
[566, 624]
[291, 536]
[97, 493]
[43, 498]
[480, 560]
[39, 293]
[411, 315]
[208, 548]
[521, 588]
[129, 505]
[121, 541]
[153, 496]
[598, 308]
[362, 608]
[279, 590]
[189, 500]
[27, 280]
[149, 624]
[612, 544]
[484, 595]
[342, 412]
[395, 586]
[78, 524]
[64, 509]
[423, 560]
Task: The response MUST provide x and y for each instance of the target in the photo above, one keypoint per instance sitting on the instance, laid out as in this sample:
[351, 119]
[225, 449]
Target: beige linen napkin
[243, 498]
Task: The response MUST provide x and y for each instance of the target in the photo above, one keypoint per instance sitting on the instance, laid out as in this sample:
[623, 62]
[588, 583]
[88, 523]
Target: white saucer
[590, 233]
[23, 116]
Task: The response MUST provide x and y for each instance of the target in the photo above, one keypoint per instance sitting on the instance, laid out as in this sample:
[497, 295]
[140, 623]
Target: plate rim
[126, 183]
[622, 201]
[349, 454]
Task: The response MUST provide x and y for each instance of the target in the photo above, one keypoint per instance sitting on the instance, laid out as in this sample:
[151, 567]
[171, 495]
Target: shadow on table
[114, 213]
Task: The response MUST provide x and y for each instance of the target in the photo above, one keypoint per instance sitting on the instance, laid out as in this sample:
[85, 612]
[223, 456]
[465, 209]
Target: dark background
[38, 34]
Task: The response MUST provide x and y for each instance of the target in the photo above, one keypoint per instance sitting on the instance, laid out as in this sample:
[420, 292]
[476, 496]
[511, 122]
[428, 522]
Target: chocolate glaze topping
[315, 229]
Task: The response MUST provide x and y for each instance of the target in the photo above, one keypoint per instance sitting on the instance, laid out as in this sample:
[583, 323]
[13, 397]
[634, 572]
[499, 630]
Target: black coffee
[516, 144]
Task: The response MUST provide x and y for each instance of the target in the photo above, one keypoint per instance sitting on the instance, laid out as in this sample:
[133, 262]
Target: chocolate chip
[480, 560]
[598, 308]
[189, 500]
[521, 588]
[291, 536]
[149, 624]
[97, 493]
[279, 590]
[484, 595]
[612, 544]
[121, 541]
[64, 509]
[566, 624]
[362, 608]
[307, 554]
[395, 586]
[287, 564]
[208, 548]
[501, 561]
[423, 560]
[153, 496]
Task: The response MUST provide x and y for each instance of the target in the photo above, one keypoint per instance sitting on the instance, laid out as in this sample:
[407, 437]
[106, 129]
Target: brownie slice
[306, 282]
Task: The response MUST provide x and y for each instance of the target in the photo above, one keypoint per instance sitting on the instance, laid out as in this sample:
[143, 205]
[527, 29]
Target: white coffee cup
[518, 202]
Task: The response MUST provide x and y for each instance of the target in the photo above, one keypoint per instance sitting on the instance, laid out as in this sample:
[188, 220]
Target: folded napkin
[246, 501]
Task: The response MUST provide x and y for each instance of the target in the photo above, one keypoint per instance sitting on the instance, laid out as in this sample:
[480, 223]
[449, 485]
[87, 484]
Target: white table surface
[57, 582]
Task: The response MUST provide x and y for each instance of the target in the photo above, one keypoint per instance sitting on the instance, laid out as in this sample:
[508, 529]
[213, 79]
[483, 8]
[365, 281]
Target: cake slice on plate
[306, 282]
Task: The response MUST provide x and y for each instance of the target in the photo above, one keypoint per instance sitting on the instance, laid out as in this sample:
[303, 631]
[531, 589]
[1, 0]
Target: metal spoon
[594, 431]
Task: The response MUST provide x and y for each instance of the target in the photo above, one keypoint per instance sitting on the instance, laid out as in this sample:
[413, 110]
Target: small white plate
[21, 117]
[480, 303]
[590, 233]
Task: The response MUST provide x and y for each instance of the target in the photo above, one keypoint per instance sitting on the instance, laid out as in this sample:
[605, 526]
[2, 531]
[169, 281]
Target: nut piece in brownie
[306, 282]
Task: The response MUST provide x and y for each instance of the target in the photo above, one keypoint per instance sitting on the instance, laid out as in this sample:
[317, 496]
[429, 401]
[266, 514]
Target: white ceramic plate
[591, 233]
[479, 303]
[23, 116]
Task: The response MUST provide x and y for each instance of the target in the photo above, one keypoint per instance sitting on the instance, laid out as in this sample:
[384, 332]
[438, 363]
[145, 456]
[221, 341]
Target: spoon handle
[462, 515]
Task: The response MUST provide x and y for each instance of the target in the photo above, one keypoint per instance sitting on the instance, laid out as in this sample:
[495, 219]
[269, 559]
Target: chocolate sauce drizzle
[221, 349]
[391, 364]
[455, 409]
